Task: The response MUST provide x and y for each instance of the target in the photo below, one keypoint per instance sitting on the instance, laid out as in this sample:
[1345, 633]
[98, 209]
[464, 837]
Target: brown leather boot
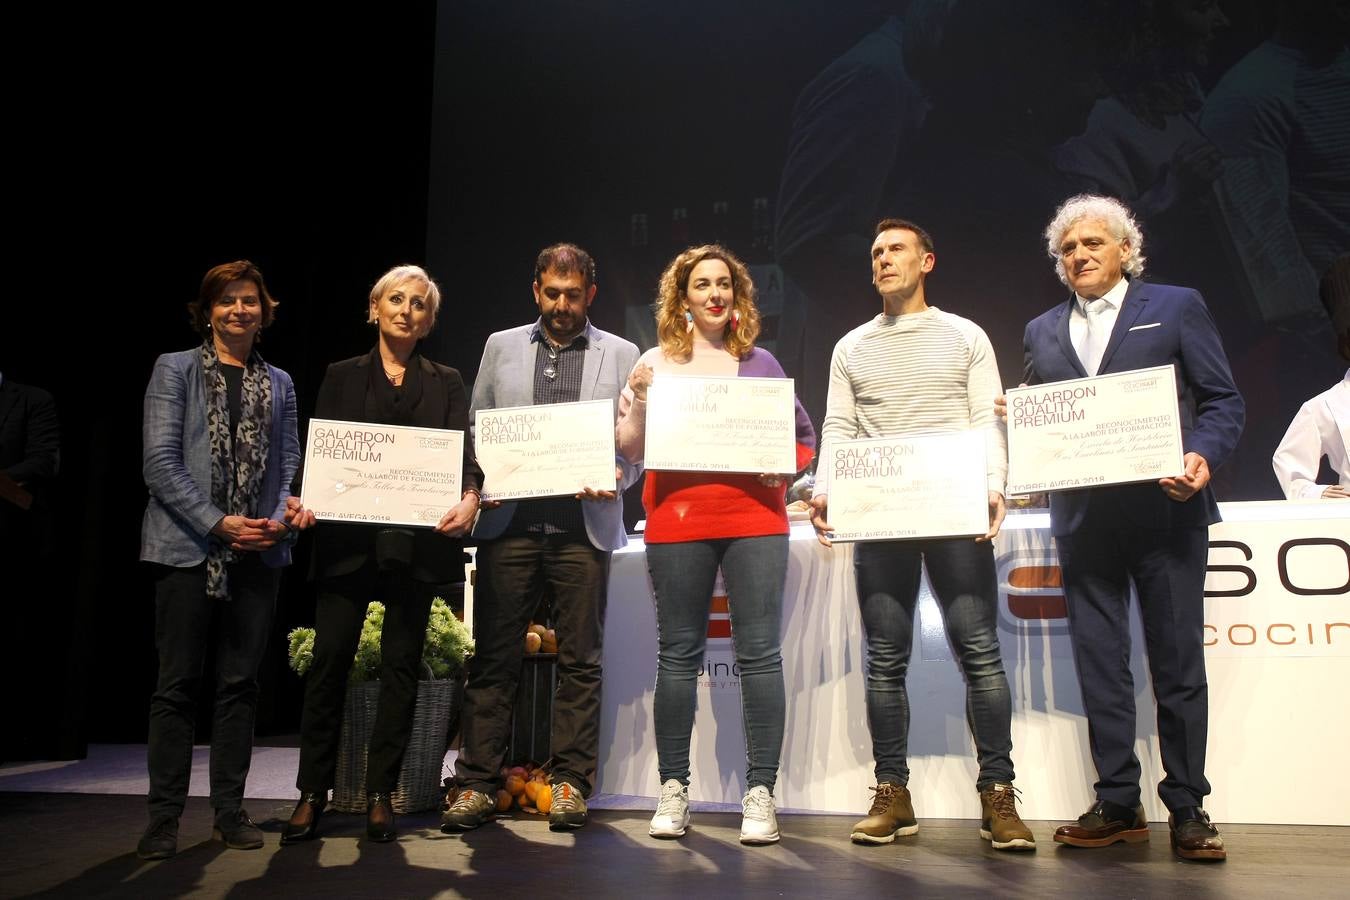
[1000, 823]
[891, 815]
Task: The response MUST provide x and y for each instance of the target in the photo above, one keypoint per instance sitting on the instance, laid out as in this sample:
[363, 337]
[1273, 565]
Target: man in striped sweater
[914, 370]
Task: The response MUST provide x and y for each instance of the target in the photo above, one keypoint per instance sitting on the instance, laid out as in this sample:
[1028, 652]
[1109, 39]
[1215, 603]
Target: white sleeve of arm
[841, 414]
[1299, 456]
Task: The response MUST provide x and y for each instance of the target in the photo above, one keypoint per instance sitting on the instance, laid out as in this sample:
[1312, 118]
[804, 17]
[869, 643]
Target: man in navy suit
[558, 545]
[1154, 535]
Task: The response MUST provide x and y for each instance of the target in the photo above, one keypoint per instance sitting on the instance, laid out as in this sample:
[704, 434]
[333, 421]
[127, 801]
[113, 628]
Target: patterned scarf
[236, 465]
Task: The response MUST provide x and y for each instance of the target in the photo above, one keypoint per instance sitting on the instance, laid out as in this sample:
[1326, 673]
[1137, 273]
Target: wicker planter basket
[419, 781]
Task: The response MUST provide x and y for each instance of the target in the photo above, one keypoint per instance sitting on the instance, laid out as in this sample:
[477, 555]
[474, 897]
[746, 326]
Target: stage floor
[79, 841]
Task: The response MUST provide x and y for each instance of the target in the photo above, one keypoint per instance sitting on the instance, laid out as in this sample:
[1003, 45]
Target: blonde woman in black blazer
[402, 567]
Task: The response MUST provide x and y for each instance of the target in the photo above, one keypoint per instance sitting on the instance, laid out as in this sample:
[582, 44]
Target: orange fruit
[532, 642]
[504, 799]
[544, 801]
[515, 785]
[531, 789]
[538, 629]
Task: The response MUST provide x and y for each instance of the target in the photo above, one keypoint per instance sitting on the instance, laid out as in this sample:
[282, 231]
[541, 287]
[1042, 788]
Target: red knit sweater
[695, 506]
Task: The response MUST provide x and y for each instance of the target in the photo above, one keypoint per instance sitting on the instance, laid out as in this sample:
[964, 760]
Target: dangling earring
[735, 319]
[688, 321]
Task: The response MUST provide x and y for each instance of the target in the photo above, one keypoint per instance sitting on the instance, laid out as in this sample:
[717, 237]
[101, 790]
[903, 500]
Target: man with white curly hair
[1154, 535]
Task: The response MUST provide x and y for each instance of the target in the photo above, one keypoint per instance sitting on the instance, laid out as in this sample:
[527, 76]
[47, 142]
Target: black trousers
[512, 575]
[185, 622]
[1168, 571]
[340, 610]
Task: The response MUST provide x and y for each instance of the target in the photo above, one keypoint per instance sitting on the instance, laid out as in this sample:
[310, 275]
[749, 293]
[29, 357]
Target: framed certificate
[1087, 432]
[883, 489]
[551, 450]
[391, 474]
[702, 424]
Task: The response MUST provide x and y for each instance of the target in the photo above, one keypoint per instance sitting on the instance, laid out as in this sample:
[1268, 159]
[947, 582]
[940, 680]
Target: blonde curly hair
[672, 329]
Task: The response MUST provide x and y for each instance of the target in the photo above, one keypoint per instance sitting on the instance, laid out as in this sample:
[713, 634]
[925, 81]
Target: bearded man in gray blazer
[561, 545]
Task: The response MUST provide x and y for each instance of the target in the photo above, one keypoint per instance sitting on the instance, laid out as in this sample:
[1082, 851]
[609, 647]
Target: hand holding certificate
[1111, 429]
[558, 449]
[908, 487]
[702, 424]
[390, 474]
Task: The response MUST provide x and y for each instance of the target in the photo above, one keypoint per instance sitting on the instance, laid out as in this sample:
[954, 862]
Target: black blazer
[342, 548]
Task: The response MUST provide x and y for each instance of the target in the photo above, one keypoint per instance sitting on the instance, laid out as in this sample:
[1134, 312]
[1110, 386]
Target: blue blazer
[506, 378]
[1158, 325]
[176, 462]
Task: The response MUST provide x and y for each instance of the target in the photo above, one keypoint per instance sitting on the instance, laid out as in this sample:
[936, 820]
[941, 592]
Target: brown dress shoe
[1105, 823]
[1193, 837]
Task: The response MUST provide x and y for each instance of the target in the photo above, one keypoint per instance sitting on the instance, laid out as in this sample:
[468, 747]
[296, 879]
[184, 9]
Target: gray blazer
[176, 463]
[506, 378]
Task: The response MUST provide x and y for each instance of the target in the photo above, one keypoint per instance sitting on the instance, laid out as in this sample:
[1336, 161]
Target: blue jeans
[962, 574]
[683, 576]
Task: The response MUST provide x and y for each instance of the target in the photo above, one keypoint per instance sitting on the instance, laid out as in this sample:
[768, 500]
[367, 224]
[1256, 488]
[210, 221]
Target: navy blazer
[1158, 325]
[176, 462]
[506, 378]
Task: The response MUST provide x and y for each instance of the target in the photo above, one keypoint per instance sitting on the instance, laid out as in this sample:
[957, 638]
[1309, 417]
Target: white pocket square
[1149, 325]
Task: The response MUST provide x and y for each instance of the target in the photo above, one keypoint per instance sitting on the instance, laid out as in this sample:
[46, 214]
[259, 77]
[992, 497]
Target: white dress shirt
[1319, 429]
[1090, 326]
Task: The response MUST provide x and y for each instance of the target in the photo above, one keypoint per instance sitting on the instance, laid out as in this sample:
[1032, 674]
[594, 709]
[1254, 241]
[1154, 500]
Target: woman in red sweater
[707, 324]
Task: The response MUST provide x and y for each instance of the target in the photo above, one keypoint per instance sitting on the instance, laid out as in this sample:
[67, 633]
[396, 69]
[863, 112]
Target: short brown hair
[672, 328]
[213, 286]
[925, 239]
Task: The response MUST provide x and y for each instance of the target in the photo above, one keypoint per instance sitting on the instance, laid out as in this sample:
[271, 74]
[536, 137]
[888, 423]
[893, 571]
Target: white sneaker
[759, 824]
[672, 811]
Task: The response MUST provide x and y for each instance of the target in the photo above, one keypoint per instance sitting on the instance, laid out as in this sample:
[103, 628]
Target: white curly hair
[1114, 214]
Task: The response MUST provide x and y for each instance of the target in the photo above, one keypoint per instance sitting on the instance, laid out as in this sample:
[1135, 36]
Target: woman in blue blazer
[220, 449]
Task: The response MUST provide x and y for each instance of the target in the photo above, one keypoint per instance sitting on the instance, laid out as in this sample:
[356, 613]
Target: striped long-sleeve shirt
[923, 373]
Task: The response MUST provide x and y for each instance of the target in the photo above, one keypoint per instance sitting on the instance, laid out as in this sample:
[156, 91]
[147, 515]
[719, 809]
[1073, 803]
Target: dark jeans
[1168, 570]
[339, 612]
[962, 574]
[513, 574]
[184, 621]
[683, 576]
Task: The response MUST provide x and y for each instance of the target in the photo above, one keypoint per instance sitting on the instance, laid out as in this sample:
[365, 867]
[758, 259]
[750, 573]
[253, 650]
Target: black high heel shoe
[295, 834]
[380, 817]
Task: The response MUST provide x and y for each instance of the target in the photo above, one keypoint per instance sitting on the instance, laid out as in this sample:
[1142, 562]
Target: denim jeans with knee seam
[683, 575]
[961, 572]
